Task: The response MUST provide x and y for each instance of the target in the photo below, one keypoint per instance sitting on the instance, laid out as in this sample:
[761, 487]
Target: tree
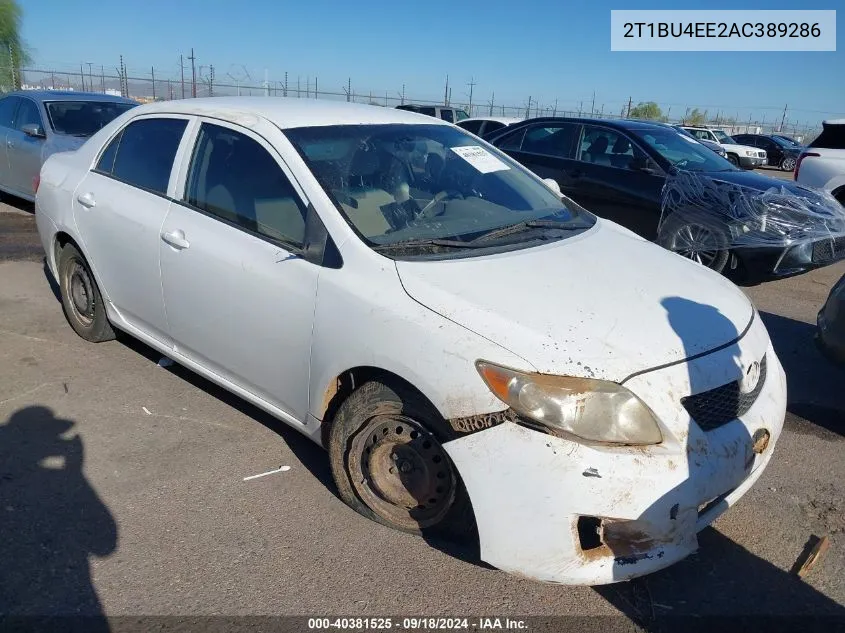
[647, 110]
[696, 117]
[13, 52]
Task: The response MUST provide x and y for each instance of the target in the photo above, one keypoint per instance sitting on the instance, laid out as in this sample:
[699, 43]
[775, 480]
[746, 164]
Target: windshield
[83, 118]
[723, 138]
[684, 152]
[782, 142]
[400, 183]
[460, 115]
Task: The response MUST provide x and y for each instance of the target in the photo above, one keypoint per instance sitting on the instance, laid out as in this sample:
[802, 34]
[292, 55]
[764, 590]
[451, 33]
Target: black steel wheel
[389, 464]
[81, 300]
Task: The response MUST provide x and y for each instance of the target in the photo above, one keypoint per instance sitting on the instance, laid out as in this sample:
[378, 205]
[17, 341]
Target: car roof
[288, 112]
[622, 124]
[69, 95]
[835, 122]
[499, 119]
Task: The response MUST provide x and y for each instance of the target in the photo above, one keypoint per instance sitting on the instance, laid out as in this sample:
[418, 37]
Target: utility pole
[153, 73]
[193, 74]
[170, 89]
[554, 111]
[593, 104]
[348, 89]
[103, 78]
[446, 92]
[492, 97]
[297, 87]
[528, 109]
[783, 118]
[580, 107]
[471, 85]
[90, 78]
[403, 94]
[81, 75]
[211, 80]
[52, 81]
[285, 90]
[315, 88]
[628, 116]
[182, 69]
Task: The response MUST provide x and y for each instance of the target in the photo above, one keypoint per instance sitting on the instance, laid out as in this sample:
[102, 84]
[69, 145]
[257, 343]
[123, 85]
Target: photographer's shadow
[52, 520]
[723, 579]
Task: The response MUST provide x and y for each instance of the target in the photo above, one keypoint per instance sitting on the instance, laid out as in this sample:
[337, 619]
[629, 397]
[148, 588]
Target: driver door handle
[86, 200]
[176, 239]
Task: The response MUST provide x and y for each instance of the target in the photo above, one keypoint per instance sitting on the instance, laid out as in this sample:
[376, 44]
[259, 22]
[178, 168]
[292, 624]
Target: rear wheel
[788, 163]
[388, 461]
[81, 300]
[701, 241]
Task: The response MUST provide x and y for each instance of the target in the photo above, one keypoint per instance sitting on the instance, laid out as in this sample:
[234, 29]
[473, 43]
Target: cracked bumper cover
[529, 489]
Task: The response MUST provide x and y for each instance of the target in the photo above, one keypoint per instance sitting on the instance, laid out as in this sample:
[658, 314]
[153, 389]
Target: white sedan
[480, 357]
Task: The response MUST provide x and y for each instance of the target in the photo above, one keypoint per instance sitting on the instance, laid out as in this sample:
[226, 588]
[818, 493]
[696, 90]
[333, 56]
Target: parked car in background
[486, 126]
[779, 153]
[711, 145]
[831, 323]
[34, 124]
[822, 163]
[743, 156]
[424, 320]
[447, 113]
[618, 169]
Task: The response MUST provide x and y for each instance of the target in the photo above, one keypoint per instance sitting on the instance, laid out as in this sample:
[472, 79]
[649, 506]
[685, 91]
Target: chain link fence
[150, 88]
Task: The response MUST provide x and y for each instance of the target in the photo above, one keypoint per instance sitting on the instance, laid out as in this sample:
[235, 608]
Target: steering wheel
[425, 212]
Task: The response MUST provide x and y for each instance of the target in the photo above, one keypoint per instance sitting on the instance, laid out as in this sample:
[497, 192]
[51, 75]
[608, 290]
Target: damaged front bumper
[561, 511]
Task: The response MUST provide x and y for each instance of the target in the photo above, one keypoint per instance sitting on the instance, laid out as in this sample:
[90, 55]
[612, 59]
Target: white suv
[822, 164]
[743, 156]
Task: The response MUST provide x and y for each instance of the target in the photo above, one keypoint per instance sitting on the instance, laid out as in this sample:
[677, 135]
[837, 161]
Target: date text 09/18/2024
[417, 623]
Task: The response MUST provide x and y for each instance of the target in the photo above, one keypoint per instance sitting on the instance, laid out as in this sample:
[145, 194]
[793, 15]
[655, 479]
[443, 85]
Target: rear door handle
[176, 239]
[86, 200]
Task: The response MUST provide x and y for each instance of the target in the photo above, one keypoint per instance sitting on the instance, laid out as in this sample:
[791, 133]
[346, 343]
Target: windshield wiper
[431, 242]
[531, 224]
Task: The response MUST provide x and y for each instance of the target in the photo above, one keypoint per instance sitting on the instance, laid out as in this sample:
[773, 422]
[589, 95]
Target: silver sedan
[34, 124]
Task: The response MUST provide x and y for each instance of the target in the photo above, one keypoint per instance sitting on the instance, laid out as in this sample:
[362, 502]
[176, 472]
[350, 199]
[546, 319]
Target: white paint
[588, 306]
[480, 158]
[269, 472]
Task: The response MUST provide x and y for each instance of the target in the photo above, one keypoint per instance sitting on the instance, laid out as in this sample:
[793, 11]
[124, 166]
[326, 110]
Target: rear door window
[472, 126]
[603, 146]
[512, 141]
[551, 140]
[144, 154]
[234, 178]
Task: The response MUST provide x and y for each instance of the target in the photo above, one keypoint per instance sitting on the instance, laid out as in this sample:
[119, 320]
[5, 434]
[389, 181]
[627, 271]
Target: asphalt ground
[123, 492]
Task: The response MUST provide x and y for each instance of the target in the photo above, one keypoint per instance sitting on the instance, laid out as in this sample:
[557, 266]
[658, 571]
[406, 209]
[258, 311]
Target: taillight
[36, 180]
[800, 159]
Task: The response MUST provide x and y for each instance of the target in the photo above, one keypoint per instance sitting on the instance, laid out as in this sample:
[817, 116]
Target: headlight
[594, 410]
[749, 152]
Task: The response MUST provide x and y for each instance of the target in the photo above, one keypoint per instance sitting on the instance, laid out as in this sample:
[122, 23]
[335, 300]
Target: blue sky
[546, 49]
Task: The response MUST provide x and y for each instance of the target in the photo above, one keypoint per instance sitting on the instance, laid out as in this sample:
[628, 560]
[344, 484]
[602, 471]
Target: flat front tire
[388, 462]
[81, 299]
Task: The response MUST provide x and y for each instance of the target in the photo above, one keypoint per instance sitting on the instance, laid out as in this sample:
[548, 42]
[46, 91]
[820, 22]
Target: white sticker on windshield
[480, 158]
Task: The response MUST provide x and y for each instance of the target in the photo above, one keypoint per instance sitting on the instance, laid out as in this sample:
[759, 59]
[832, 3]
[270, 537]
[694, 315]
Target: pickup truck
[822, 163]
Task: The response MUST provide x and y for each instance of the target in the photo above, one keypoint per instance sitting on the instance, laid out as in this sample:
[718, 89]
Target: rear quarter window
[832, 137]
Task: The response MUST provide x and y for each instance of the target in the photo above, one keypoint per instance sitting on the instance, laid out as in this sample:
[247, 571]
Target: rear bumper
[561, 511]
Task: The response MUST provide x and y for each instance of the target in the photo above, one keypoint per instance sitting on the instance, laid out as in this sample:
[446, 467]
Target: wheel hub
[692, 242]
[81, 292]
[401, 471]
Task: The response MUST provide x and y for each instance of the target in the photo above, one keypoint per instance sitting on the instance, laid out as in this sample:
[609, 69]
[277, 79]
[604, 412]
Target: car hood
[604, 304]
[758, 182]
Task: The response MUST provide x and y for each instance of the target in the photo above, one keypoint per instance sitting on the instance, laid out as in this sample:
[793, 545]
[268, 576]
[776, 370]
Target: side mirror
[34, 130]
[551, 183]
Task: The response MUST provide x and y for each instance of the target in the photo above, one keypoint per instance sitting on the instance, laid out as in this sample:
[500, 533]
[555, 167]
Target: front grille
[828, 250]
[711, 409]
